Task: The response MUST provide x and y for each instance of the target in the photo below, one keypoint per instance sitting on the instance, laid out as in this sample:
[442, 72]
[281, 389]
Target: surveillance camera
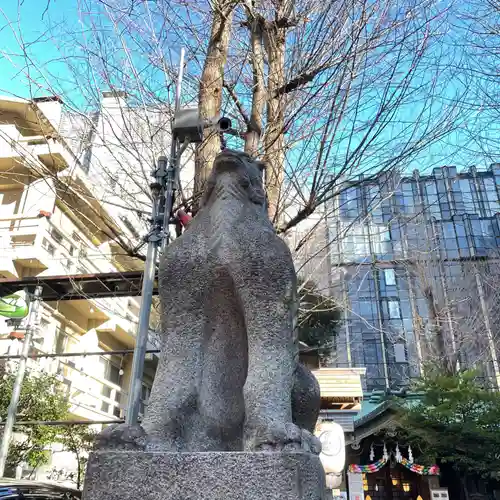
[189, 127]
[224, 124]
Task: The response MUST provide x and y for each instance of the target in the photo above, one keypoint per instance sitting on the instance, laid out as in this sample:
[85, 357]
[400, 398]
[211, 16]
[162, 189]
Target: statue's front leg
[271, 361]
[172, 411]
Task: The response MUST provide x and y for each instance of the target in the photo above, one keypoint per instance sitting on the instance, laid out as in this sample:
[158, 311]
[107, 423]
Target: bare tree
[477, 29]
[324, 91]
[456, 302]
[211, 88]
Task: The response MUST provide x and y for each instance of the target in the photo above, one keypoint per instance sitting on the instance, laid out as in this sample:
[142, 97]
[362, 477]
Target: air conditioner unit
[440, 494]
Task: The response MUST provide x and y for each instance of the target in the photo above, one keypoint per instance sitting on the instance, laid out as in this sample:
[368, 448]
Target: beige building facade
[54, 222]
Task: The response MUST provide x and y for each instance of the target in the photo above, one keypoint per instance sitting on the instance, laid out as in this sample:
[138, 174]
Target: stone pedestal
[133, 475]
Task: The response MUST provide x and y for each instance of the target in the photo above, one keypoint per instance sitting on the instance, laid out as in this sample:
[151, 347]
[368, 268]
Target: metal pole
[173, 164]
[135, 390]
[163, 193]
[169, 193]
[180, 75]
[16, 390]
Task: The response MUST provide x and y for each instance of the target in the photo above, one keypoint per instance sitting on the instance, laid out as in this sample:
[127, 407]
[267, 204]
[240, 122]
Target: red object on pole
[184, 218]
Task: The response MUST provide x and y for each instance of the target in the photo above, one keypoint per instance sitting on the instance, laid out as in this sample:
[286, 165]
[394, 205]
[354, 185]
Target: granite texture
[229, 366]
[121, 437]
[116, 475]
[306, 398]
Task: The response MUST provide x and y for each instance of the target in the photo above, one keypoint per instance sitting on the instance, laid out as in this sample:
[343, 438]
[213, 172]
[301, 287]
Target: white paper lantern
[332, 454]
[333, 481]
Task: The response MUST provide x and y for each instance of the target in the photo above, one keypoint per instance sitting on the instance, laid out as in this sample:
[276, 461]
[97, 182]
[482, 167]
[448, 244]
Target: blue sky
[25, 20]
[30, 74]
[50, 37]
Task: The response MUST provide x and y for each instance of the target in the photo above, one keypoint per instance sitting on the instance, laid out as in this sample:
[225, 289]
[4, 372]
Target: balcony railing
[48, 151]
[37, 243]
[24, 231]
[89, 395]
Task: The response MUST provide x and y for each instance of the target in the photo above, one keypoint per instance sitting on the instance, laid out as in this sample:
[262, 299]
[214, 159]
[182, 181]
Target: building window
[349, 206]
[355, 245]
[463, 244]
[394, 311]
[407, 198]
[381, 241]
[468, 194]
[484, 236]
[61, 341]
[112, 373]
[391, 309]
[432, 199]
[399, 353]
[38, 339]
[389, 277]
[491, 204]
[374, 203]
[56, 236]
[364, 309]
[449, 240]
[372, 353]
[111, 370]
[49, 247]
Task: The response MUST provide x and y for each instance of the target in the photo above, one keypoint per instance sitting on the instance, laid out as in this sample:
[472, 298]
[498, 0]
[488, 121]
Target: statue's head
[237, 174]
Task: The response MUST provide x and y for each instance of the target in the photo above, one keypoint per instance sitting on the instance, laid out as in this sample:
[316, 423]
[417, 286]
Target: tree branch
[300, 80]
[237, 102]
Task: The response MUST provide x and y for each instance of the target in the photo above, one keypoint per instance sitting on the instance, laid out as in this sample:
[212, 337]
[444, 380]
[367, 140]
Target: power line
[77, 354]
[67, 422]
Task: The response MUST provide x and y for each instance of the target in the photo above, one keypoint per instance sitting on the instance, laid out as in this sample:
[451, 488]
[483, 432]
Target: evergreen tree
[40, 400]
[43, 399]
[456, 422]
[319, 317]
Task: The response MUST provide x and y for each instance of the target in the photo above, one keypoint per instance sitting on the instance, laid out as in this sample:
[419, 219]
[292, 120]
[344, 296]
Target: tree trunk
[254, 128]
[210, 94]
[440, 345]
[78, 472]
[463, 482]
[274, 140]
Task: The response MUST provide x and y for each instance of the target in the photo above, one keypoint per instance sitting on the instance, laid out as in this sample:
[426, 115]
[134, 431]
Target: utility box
[187, 125]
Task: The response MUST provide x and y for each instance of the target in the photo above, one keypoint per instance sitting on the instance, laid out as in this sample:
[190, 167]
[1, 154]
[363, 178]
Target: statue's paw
[121, 437]
[162, 444]
[287, 437]
[310, 442]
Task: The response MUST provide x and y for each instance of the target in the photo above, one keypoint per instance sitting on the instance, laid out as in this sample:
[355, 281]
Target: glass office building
[413, 262]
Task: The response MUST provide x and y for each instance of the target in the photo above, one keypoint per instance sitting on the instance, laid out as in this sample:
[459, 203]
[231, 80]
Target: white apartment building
[66, 181]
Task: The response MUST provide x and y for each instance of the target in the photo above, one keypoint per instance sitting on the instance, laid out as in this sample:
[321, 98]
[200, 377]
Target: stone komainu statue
[229, 377]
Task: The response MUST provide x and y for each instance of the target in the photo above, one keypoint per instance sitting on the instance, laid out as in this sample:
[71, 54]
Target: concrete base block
[133, 475]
